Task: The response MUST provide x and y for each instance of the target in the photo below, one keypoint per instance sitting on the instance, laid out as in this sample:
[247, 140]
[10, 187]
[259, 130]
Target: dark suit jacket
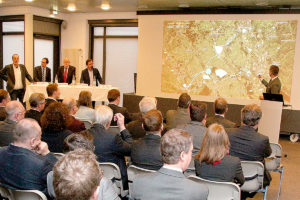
[229, 170]
[3, 114]
[70, 75]
[112, 147]
[167, 184]
[37, 74]
[273, 87]
[135, 128]
[75, 125]
[85, 78]
[34, 114]
[247, 144]
[220, 120]
[145, 152]
[122, 110]
[55, 140]
[24, 169]
[8, 74]
[6, 132]
[177, 117]
[48, 101]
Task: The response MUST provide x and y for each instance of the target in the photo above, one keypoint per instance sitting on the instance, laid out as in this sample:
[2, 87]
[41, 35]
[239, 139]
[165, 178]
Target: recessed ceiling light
[105, 5]
[184, 5]
[71, 7]
[29, 0]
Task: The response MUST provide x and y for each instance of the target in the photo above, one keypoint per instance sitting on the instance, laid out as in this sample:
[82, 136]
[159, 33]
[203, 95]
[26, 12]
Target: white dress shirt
[18, 78]
[91, 75]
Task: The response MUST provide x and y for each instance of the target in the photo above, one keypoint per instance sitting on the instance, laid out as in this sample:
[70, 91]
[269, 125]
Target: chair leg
[265, 193]
[281, 176]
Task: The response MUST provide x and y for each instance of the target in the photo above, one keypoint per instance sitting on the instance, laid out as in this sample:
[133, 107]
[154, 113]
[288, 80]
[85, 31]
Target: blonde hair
[215, 144]
[85, 99]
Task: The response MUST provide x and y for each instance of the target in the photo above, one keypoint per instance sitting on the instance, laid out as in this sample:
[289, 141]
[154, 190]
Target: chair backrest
[113, 129]
[58, 155]
[28, 195]
[134, 171]
[254, 175]
[274, 160]
[112, 172]
[4, 191]
[219, 190]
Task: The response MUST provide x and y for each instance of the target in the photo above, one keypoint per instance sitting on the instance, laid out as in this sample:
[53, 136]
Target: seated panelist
[42, 73]
[90, 75]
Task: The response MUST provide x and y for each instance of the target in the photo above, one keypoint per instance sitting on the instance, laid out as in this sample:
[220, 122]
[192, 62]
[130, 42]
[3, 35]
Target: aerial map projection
[224, 57]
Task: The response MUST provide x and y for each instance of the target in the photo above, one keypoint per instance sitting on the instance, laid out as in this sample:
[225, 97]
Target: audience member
[37, 105]
[74, 125]
[145, 152]
[113, 97]
[85, 111]
[246, 142]
[54, 125]
[4, 99]
[197, 126]
[135, 127]
[15, 112]
[170, 182]
[180, 116]
[25, 163]
[53, 93]
[111, 147]
[213, 162]
[221, 108]
[77, 175]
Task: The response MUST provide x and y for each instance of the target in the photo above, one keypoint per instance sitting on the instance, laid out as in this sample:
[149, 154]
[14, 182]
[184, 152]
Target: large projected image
[224, 58]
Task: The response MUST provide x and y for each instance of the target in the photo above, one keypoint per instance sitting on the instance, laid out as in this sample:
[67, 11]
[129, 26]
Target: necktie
[43, 74]
[65, 75]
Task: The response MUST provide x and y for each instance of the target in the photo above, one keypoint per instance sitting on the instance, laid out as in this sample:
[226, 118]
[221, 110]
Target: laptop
[274, 97]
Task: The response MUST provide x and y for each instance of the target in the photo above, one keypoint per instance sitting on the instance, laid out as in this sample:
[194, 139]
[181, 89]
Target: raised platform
[290, 120]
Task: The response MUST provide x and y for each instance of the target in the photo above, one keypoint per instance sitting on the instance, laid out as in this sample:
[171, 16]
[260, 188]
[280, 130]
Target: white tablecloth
[98, 93]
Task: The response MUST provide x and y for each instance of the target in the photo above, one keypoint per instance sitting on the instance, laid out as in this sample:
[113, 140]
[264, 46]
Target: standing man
[274, 85]
[14, 74]
[42, 73]
[90, 74]
[66, 72]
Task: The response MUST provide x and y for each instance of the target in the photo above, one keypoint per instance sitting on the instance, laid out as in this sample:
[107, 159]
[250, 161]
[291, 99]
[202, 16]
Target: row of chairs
[21, 194]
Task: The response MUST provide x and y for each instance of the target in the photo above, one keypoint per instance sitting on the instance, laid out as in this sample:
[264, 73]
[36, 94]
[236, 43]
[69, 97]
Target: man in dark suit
[274, 85]
[4, 99]
[170, 182]
[111, 147]
[90, 75]
[74, 125]
[145, 152]
[42, 73]
[66, 73]
[26, 162]
[15, 112]
[246, 143]
[113, 97]
[37, 105]
[53, 93]
[221, 108]
[15, 74]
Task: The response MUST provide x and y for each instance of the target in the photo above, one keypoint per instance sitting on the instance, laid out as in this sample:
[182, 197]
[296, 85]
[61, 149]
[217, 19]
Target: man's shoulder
[37, 67]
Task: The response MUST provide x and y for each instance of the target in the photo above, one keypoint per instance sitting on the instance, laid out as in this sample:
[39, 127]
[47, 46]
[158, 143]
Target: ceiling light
[105, 5]
[29, 0]
[71, 7]
[184, 5]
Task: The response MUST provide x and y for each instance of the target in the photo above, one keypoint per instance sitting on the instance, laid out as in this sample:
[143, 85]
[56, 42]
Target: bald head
[15, 110]
[71, 105]
[66, 62]
[26, 129]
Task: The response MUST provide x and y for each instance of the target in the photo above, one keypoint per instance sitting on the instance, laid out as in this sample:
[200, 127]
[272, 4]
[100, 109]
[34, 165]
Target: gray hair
[147, 104]
[69, 102]
[26, 129]
[251, 114]
[12, 108]
[103, 115]
[35, 99]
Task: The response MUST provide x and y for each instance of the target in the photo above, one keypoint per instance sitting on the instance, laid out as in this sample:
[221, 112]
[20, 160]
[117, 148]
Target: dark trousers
[17, 94]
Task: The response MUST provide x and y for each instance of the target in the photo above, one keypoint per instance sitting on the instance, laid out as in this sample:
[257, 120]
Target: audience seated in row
[26, 162]
[85, 111]
[169, 182]
[37, 105]
[53, 93]
[111, 147]
[73, 125]
[4, 99]
[145, 152]
[247, 143]
[15, 112]
[54, 125]
[197, 125]
[113, 97]
[135, 127]
[221, 108]
[213, 162]
[75, 141]
[180, 116]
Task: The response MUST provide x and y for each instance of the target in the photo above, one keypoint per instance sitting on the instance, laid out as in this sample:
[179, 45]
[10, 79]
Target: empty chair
[58, 155]
[219, 190]
[5, 192]
[254, 177]
[27, 195]
[273, 163]
[112, 172]
[134, 171]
